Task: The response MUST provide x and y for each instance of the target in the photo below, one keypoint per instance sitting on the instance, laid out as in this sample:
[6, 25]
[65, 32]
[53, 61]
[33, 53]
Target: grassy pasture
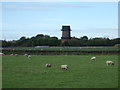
[20, 72]
[65, 48]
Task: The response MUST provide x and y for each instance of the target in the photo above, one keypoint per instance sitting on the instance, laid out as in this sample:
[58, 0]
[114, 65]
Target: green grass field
[20, 72]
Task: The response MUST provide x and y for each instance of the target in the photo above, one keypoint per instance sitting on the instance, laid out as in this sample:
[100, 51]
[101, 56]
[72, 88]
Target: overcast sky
[93, 19]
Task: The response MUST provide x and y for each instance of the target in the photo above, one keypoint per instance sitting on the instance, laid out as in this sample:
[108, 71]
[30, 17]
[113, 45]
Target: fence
[47, 52]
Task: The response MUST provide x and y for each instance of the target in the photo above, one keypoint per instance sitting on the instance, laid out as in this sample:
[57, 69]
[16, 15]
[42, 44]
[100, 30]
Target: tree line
[46, 40]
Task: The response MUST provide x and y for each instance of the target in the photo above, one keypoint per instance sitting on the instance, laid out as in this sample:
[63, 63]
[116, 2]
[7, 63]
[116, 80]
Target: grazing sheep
[1, 53]
[11, 54]
[48, 65]
[16, 54]
[29, 56]
[93, 58]
[64, 67]
[25, 54]
[109, 63]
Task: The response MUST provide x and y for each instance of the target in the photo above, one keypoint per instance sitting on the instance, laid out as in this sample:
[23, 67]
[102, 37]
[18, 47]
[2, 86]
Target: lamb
[48, 65]
[29, 56]
[64, 67]
[109, 63]
[93, 58]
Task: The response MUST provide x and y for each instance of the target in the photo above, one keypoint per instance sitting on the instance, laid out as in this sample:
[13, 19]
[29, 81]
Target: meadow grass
[21, 72]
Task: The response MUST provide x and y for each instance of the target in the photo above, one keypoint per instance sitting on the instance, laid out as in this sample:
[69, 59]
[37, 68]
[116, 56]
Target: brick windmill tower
[66, 36]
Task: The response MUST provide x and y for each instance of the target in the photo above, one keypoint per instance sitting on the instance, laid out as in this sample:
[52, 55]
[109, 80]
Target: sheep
[93, 58]
[16, 54]
[11, 54]
[25, 54]
[109, 63]
[64, 67]
[29, 56]
[48, 65]
[1, 53]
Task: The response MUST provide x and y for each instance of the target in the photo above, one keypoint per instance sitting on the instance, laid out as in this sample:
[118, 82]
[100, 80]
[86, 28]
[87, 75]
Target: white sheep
[16, 54]
[25, 54]
[1, 53]
[93, 58]
[109, 63]
[11, 54]
[29, 56]
[64, 67]
[48, 65]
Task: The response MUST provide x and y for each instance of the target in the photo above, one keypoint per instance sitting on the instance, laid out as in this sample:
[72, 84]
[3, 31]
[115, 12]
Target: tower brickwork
[66, 35]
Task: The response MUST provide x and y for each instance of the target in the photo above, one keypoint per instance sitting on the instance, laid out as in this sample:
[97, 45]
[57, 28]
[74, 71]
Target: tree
[83, 41]
[74, 41]
[39, 36]
[41, 39]
[65, 43]
[115, 41]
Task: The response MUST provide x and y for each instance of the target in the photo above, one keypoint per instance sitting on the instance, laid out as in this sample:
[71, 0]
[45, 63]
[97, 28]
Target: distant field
[65, 48]
[19, 72]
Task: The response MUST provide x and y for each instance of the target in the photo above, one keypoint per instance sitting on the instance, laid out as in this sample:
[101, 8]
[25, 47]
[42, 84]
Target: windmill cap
[66, 28]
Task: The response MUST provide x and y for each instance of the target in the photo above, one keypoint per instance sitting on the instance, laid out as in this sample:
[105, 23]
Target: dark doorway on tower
[66, 36]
